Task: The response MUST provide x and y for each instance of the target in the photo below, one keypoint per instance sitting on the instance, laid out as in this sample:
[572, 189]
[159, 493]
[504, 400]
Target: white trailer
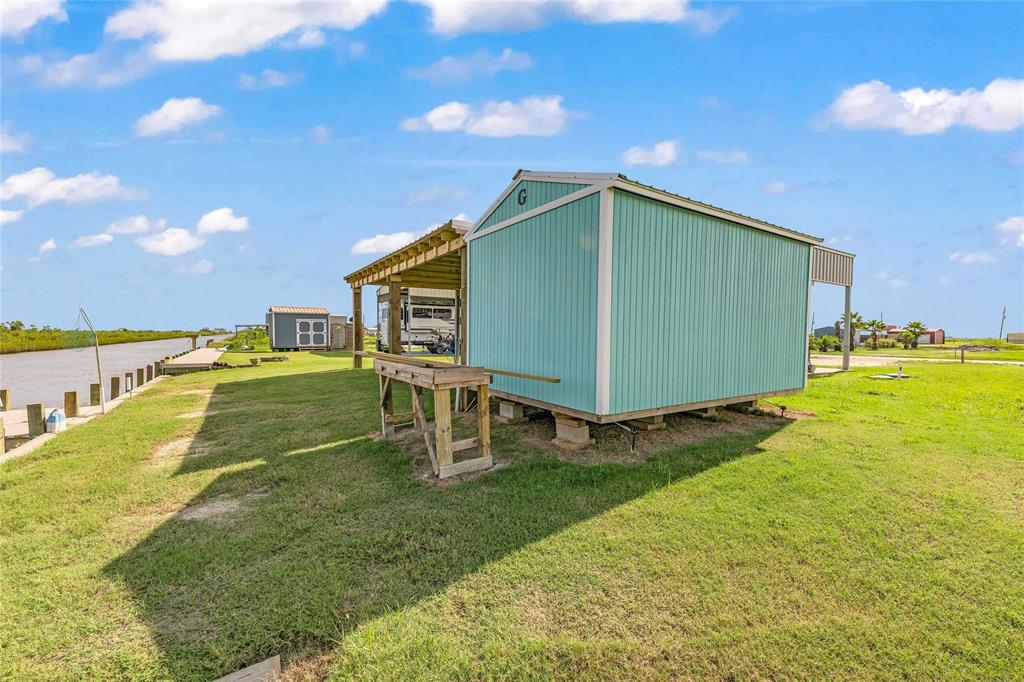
[428, 318]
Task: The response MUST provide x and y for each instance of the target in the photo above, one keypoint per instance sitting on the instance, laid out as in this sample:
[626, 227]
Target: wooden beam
[483, 410]
[443, 426]
[395, 314]
[357, 326]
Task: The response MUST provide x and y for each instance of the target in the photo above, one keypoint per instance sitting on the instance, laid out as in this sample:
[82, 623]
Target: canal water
[43, 376]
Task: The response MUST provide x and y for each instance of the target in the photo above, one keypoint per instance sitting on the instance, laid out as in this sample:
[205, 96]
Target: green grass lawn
[881, 539]
[949, 350]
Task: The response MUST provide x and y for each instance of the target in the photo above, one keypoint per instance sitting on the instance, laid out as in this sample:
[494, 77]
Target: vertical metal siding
[533, 303]
[702, 308]
[537, 194]
[831, 267]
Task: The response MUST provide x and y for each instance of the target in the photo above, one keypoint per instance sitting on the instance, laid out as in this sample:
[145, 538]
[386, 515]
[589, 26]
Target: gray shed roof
[299, 310]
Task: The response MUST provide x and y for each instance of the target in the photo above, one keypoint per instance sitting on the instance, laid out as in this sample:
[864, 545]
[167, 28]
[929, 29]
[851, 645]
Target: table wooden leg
[387, 407]
[483, 411]
[443, 426]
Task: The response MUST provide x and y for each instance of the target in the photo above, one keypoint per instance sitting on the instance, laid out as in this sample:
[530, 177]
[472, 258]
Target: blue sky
[175, 165]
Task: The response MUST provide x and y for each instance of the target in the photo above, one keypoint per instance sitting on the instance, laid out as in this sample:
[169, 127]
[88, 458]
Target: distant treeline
[15, 337]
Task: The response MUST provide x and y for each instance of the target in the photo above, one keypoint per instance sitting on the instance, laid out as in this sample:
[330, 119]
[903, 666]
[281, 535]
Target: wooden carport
[435, 260]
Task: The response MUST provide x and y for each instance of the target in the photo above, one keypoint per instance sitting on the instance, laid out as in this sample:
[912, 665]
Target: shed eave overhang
[430, 261]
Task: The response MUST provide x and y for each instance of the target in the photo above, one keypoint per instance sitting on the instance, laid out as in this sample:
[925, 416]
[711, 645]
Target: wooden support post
[94, 394]
[463, 304]
[36, 420]
[157, 368]
[744, 406]
[357, 327]
[149, 372]
[140, 377]
[115, 386]
[395, 314]
[483, 419]
[5, 399]
[387, 406]
[847, 332]
[962, 359]
[443, 427]
[71, 403]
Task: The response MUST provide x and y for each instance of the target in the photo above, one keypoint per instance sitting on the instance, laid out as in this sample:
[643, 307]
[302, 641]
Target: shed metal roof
[299, 310]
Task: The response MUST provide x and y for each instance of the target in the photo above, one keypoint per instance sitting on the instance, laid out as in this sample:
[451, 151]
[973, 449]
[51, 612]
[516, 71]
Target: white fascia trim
[807, 316]
[563, 177]
[490, 209]
[711, 211]
[543, 208]
[602, 401]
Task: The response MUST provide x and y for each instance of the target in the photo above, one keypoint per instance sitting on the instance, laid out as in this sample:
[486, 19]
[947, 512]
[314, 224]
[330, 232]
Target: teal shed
[641, 302]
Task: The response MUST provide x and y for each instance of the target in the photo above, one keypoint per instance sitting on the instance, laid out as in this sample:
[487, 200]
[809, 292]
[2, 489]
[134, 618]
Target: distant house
[931, 335]
[1015, 337]
[298, 327]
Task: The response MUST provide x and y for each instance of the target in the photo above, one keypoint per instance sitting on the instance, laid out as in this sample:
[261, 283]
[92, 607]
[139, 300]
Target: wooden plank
[483, 411]
[420, 419]
[520, 375]
[401, 417]
[357, 326]
[395, 314]
[443, 426]
[387, 406]
[465, 444]
[465, 466]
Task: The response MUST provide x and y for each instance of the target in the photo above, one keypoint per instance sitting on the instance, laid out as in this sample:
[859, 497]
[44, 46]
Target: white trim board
[543, 208]
[602, 379]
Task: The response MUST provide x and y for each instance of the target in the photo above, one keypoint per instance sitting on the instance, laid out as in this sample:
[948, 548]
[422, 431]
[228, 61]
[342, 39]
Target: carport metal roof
[431, 261]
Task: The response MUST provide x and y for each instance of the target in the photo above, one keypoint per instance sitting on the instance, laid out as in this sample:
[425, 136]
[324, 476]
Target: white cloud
[91, 240]
[135, 225]
[384, 243]
[175, 114]
[435, 194]
[11, 143]
[321, 134]
[661, 154]
[724, 156]
[267, 79]
[467, 16]
[356, 49]
[875, 105]
[199, 31]
[313, 37]
[47, 246]
[972, 258]
[897, 283]
[222, 220]
[530, 116]
[1011, 231]
[173, 241]
[463, 69]
[18, 16]
[8, 216]
[200, 267]
[103, 68]
[41, 185]
[776, 187]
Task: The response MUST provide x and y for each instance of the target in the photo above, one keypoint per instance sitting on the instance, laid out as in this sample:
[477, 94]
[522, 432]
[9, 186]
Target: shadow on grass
[312, 528]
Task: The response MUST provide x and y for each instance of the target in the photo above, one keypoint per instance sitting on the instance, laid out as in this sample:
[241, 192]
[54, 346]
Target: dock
[194, 361]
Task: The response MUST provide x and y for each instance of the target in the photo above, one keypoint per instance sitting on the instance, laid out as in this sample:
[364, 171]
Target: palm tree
[906, 338]
[875, 327]
[856, 322]
[917, 329]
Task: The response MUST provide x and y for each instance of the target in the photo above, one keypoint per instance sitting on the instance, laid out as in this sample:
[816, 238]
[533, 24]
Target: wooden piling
[115, 387]
[36, 420]
[95, 397]
[128, 377]
[149, 372]
[357, 326]
[140, 377]
[71, 403]
[5, 398]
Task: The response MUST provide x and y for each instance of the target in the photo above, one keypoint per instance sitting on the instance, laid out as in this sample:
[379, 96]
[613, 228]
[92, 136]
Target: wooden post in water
[128, 376]
[149, 372]
[5, 398]
[95, 394]
[36, 420]
[115, 386]
[140, 377]
[157, 368]
[71, 403]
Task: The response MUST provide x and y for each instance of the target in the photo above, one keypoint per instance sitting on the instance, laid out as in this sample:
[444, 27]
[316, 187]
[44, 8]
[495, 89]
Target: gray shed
[298, 327]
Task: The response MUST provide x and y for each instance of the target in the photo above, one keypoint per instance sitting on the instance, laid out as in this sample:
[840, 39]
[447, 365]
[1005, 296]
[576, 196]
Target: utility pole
[1002, 322]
